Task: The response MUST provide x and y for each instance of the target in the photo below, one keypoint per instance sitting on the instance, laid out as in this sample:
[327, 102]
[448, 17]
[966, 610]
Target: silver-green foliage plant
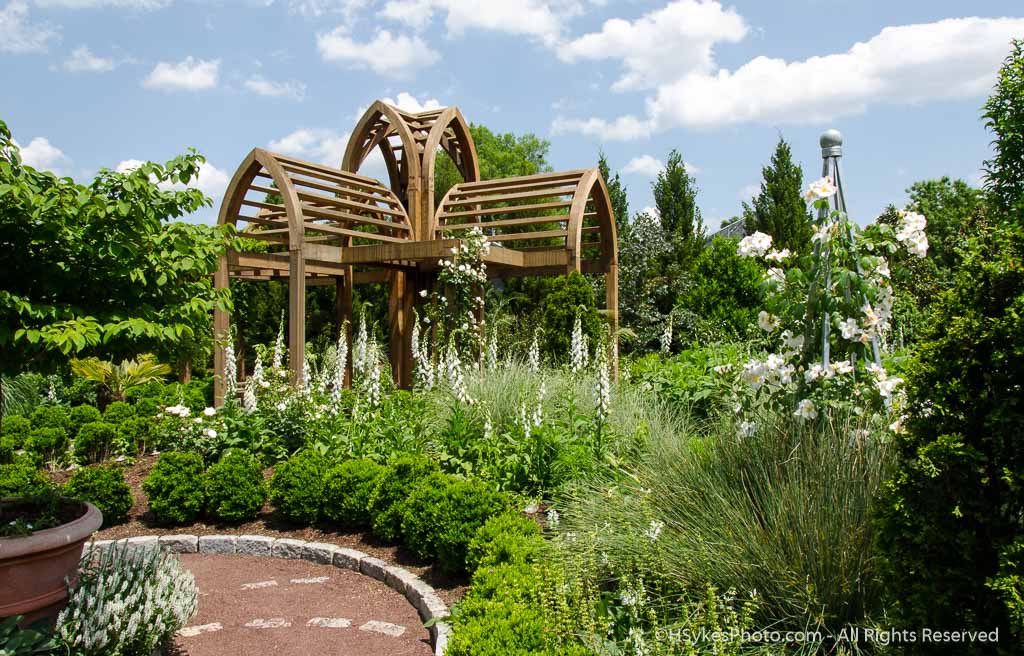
[127, 601]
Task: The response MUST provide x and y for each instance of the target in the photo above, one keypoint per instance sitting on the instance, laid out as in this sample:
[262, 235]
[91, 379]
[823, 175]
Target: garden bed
[141, 522]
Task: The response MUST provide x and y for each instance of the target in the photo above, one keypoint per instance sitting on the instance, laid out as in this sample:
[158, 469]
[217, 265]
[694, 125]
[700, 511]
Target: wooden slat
[507, 210]
[351, 204]
[336, 176]
[536, 177]
[325, 169]
[259, 220]
[405, 250]
[321, 212]
[389, 199]
[532, 220]
[512, 187]
[523, 236]
[335, 230]
[500, 198]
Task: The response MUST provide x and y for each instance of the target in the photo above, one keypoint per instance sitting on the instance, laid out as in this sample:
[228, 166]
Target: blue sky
[99, 83]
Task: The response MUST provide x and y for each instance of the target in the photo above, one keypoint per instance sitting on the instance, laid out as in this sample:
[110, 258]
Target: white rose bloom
[813, 373]
[778, 256]
[841, 367]
[209, 412]
[210, 433]
[818, 189]
[888, 386]
[767, 322]
[806, 410]
[778, 276]
[850, 329]
[755, 245]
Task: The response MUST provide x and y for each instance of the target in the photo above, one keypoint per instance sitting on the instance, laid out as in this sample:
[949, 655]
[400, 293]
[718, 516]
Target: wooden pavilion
[328, 226]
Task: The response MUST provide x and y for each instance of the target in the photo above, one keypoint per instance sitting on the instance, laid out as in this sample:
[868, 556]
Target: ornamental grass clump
[127, 600]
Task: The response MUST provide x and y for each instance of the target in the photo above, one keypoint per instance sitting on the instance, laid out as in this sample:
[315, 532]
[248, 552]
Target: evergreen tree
[617, 193]
[1004, 116]
[675, 195]
[779, 209]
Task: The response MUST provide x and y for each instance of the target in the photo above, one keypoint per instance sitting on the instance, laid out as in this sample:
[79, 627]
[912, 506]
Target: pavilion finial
[831, 143]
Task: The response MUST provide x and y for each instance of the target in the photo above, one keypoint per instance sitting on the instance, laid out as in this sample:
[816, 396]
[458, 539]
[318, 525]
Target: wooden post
[221, 326]
[343, 310]
[296, 314]
[399, 322]
[611, 285]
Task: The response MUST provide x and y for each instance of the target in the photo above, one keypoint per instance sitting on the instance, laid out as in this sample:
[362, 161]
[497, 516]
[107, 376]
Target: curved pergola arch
[409, 143]
[318, 224]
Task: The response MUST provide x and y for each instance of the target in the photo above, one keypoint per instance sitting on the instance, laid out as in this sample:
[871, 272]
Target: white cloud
[317, 8]
[320, 144]
[93, 4]
[408, 102]
[909, 64]
[82, 60]
[211, 180]
[292, 89]
[18, 36]
[191, 74]
[659, 46]
[644, 165]
[385, 54]
[650, 166]
[534, 18]
[42, 155]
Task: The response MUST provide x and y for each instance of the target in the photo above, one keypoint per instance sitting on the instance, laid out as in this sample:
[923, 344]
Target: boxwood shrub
[94, 441]
[297, 487]
[235, 488]
[21, 479]
[104, 487]
[347, 491]
[80, 415]
[118, 412]
[46, 441]
[443, 514]
[392, 489]
[175, 488]
[16, 430]
[505, 538]
[50, 416]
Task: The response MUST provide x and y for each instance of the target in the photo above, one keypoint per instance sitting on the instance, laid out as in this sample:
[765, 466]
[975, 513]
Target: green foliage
[16, 429]
[1004, 116]
[298, 485]
[441, 516]
[235, 488]
[16, 641]
[726, 290]
[133, 435]
[954, 506]
[47, 441]
[568, 295]
[116, 379]
[688, 382]
[175, 488]
[617, 193]
[348, 489]
[500, 156]
[22, 480]
[504, 538]
[392, 489]
[104, 487]
[81, 415]
[94, 442]
[785, 511]
[117, 229]
[50, 416]
[779, 209]
[118, 412]
[675, 196]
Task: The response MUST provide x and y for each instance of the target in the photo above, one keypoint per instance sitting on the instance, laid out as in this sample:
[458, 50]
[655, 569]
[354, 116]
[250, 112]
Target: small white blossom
[806, 410]
[822, 188]
[755, 245]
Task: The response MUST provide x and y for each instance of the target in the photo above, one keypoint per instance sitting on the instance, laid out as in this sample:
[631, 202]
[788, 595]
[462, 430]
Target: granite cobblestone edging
[415, 590]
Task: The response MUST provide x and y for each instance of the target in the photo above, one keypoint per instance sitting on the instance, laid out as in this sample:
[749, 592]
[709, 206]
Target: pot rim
[77, 530]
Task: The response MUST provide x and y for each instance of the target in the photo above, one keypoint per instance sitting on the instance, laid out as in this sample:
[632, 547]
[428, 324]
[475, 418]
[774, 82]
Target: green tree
[949, 206]
[779, 209]
[950, 524]
[726, 290]
[617, 193]
[566, 296]
[675, 196]
[499, 155]
[1004, 116]
[99, 267]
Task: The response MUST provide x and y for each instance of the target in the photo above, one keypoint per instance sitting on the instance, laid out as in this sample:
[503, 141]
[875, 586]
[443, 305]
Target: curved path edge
[415, 590]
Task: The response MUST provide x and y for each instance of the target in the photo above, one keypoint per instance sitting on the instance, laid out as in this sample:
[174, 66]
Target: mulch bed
[269, 523]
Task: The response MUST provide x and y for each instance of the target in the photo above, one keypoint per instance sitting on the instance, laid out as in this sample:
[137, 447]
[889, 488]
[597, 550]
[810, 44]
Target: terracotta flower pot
[34, 568]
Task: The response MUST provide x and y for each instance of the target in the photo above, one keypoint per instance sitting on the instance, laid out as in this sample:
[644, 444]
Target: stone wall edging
[416, 591]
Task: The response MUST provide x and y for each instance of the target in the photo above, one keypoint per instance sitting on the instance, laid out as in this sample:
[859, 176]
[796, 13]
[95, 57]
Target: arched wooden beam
[465, 160]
